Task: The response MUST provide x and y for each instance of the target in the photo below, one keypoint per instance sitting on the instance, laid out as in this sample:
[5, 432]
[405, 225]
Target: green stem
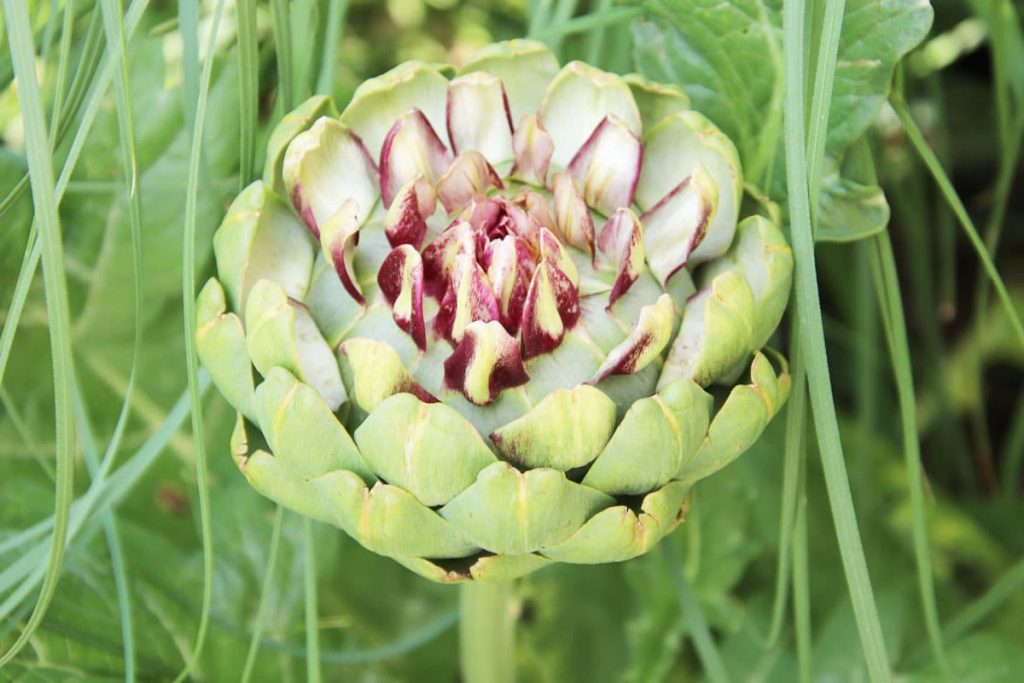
[487, 641]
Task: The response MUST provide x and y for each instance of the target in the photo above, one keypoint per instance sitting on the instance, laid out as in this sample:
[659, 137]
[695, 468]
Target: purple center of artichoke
[495, 269]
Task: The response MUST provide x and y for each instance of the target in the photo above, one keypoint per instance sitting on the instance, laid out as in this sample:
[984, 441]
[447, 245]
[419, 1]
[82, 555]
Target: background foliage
[752, 587]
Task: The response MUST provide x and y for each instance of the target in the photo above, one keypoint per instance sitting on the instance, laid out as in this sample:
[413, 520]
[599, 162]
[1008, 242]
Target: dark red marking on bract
[621, 237]
[419, 392]
[391, 278]
[508, 370]
[440, 255]
[466, 181]
[304, 210]
[525, 268]
[583, 158]
[627, 364]
[536, 339]
[341, 268]
[649, 218]
[567, 296]
[532, 161]
[536, 207]
[436, 151]
[622, 284]
[497, 217]
[480, 299]
[411, 225]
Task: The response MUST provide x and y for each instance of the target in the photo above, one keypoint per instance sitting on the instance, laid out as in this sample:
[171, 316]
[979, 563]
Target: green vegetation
[872, 533]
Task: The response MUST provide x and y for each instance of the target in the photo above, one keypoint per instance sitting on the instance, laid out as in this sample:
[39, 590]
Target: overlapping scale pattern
[479, 321]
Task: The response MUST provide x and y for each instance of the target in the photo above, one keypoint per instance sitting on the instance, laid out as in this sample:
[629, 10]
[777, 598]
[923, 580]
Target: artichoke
[484, 313]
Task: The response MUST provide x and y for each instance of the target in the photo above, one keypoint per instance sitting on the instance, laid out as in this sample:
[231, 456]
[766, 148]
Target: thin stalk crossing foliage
[188, 291]
[813, 340]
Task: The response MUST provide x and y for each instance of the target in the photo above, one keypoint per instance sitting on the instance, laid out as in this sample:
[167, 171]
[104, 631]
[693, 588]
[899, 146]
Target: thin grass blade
[44, 201]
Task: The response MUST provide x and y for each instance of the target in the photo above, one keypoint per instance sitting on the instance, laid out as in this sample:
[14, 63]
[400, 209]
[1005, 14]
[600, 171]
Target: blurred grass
[762, 583]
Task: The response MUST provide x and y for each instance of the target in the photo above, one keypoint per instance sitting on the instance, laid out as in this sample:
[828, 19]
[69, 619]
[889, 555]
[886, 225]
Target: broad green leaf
[849, 211]
[727, 57]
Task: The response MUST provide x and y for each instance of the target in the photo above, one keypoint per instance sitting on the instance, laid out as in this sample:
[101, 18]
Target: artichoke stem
[487, 646]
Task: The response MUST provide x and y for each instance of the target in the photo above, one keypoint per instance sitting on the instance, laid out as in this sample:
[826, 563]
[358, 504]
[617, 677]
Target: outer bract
[475, 321]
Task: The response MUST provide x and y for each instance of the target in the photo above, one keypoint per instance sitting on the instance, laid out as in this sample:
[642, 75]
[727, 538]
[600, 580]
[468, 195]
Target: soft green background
[378, 622]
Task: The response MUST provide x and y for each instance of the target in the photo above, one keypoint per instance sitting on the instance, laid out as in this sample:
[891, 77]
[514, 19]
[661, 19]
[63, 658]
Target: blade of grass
[23, 431]
[945, 230]
[595, 39]
[801, 581]
[113, 538]
[49, 30]
[60, 81]
[302, 23]
[336, 11]
[96, 91]
[587, 22]
[188, 28]
[910, 205]
[89, 58]
[887, 288]
[283, 49]
[710, 658]
[104, 494]
[248, 90]
[188, 293]
[539, 15]
[27, 273]
[1008, 586]
[114, 29]
[402, 646]
[265, 591]
[796, 419]
[44, 201]
[821, 100]
[953, 199]
[820, 383]
[312, 613]
[1013, 451]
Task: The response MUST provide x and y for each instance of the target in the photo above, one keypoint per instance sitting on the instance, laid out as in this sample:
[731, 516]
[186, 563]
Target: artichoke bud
[471, 321]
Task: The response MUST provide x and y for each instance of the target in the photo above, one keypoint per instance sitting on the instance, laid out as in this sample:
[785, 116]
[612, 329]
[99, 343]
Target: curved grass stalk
[104, 494]
[311, 611]
[801, 580]
[824, 78]
[283, 49]
[615, 16]
[953, 199]
[96, 91]
[43, 197]
[887, 287]
[402, 646]
[261, 610]
[335, 21]
[796, 418]
[112, 20]
[113, 538]
[696, 624]
[248, 90]
[188, 292]
[813, 339]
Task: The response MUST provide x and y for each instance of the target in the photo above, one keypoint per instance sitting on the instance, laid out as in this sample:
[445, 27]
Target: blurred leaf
[850, 211]
[728, 59]
[982, 658]
[16, 222]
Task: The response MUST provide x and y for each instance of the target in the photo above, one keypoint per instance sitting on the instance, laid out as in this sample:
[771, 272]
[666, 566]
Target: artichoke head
[474, 322]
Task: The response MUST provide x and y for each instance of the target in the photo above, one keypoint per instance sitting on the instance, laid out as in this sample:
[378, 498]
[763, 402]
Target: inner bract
[508, 261]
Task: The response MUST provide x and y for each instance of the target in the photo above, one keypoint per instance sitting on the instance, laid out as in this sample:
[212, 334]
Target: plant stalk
[487, 644]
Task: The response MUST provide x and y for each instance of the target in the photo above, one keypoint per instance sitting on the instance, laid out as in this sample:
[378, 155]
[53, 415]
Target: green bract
[475, 319]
